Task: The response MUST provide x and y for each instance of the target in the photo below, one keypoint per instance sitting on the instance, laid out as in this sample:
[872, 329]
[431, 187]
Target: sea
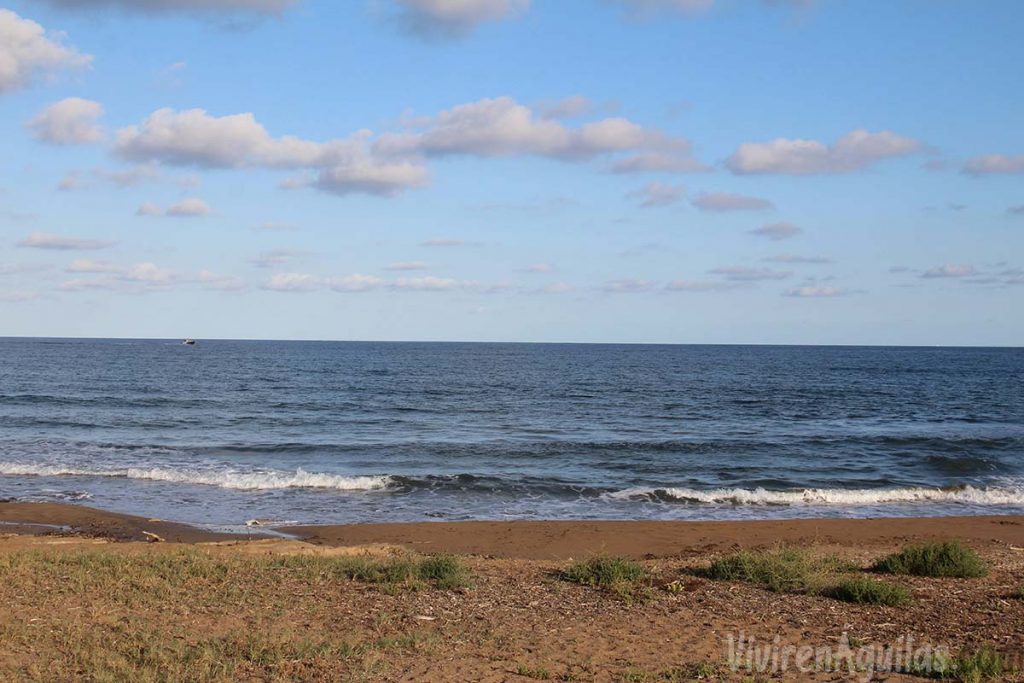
[225, 432]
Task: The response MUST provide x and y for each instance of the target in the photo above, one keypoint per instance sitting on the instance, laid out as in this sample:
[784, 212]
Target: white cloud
[541, 268]
[565, 108]
[396, 161]
[643, 8]
[189, 208]
[628, 285]
[45, 240]
[727, 201]
[149, 209]
[557, 288]
[276, 257]
[746, 274]
[28, 51]
[195, 138]
[949, 270]
[197, 6]
[72, 180]
[143, 277]
[370, 177]
[659, 194]
[292, 282]
[777, 231]
[90, 266]
[854, 151]
[454, 18]
[220, 283]
[994, 164]
[354, 283]
[792, 258]
[148, 273]
[503, 127]
[814, 292]
[699, 286]
[427, 283]
[408, 265]
[72, 121]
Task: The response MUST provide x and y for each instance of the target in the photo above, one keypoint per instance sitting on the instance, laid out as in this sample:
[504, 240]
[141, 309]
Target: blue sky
[693, 171]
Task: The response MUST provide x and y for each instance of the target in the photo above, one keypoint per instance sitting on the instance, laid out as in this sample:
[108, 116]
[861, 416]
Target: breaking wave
[228, 479]
[853, 497]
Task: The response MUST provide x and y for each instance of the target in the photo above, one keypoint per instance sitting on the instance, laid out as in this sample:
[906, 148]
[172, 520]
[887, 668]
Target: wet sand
[545, 540]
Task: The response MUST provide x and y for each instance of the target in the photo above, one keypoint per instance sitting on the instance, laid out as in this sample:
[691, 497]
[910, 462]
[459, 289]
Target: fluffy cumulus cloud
[854, 151]
[777, 231]
[356, 282]
[46, 240]
[990, 164]
[293, 282]
[727, 201]
[453, 18]
[195, 138]
[72, 121]
[190, 207]
[659, 194]
[394, 161]
[28, 51]
[501, 127]
[197, 6]
[949, 270]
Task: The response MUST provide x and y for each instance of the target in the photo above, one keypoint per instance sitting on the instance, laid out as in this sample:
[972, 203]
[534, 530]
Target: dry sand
[517, 621]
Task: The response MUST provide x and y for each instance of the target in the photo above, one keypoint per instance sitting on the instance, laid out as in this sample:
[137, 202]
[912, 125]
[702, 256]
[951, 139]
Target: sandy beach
[208, 606]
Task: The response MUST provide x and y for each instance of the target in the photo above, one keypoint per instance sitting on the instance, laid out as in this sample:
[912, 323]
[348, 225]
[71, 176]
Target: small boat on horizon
[188, 342]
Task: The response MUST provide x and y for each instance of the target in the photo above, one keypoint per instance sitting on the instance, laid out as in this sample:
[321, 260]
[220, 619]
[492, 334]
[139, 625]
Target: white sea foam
[228, 479]
[852, 497]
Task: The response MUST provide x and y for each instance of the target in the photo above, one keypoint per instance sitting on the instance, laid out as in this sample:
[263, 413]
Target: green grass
[983, 664]
[624, 577]
[202, 615]
[161, 575]
[865, 591]
[782, 570]
[604, 572]
[538, 673]
[970, 666]
[947, 559]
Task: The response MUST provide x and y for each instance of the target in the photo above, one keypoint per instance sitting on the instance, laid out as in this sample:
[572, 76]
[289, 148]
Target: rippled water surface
[227, 431]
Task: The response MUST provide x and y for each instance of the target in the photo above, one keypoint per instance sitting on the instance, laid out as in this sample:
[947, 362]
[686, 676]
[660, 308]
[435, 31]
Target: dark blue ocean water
[228, 431]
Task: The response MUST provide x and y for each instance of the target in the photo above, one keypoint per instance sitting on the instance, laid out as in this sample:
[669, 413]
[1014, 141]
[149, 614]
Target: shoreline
[536, 539]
